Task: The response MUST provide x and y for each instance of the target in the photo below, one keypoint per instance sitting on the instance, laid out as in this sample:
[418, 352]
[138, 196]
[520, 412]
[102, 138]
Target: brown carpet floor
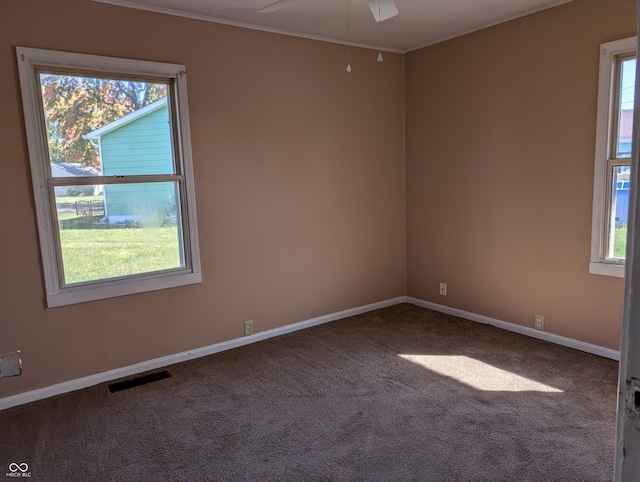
[401, 393]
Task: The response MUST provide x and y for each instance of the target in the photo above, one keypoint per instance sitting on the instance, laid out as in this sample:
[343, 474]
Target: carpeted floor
[401, 393]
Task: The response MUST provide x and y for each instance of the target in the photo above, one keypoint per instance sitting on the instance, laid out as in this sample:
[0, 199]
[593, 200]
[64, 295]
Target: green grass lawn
[620, 243]
[91, 254]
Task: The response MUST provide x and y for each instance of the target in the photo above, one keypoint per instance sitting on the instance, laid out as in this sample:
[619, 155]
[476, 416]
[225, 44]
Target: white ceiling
[419, 23]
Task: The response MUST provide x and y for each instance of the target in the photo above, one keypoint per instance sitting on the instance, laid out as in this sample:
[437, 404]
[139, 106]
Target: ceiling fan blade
[383, 9]
[276, 6]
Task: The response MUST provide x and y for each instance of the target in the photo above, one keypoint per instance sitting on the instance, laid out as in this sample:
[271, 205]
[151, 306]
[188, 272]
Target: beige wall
[298, 184]
[500, 153]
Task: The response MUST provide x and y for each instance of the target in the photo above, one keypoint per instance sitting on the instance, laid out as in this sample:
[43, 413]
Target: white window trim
[28, 60]
[606, 91]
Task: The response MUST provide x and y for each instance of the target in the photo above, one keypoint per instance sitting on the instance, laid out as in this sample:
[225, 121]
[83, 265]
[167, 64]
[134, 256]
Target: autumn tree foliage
[75, 106]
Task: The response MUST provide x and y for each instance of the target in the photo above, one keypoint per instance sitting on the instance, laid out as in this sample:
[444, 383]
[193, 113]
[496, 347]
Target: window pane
[108, 231]
[625, 116]
[619, 212]
[112, 127]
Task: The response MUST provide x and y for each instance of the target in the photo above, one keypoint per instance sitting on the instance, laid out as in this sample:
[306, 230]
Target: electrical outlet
[248, 328]
[443, 289]
[539, 322]
[11, 365]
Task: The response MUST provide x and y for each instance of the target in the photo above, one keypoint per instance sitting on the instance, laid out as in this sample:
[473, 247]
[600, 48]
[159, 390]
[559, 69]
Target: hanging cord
[348, 41]
[380, 58]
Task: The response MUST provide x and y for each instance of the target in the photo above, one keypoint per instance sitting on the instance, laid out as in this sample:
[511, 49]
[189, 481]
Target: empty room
[314, 239]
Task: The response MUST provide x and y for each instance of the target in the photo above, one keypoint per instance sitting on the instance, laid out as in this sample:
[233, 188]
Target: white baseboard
[523, 330]
[164, 361]
[161, 362]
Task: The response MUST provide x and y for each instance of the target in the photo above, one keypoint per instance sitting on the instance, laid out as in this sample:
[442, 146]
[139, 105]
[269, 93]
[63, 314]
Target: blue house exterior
[622, 203]
[625, 134]
[138, 143]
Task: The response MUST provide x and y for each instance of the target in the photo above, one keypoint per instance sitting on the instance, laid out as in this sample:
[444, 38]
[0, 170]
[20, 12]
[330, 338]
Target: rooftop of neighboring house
[71, 169]
[116, 124]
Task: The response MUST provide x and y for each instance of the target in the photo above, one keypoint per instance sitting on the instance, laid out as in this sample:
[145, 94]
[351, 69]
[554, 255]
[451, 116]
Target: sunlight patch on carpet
[477, 374]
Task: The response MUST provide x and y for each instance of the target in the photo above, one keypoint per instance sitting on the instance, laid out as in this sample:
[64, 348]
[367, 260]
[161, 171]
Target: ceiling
[419, 23]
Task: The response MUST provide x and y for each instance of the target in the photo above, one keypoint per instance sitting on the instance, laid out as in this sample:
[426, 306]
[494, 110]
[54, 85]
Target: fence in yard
[89, 208]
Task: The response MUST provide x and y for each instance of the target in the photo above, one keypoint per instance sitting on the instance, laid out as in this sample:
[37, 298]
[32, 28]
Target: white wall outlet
[248, 328]
[539, 322]
[443, 289]
[11, 365]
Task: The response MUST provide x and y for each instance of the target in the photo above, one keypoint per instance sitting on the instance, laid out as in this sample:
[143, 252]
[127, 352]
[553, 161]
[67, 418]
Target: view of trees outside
[76, 105]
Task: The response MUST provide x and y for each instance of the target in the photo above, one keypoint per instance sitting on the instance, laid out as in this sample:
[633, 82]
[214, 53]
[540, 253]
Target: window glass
[625, 107]
[118, 128]
[619, 213]
[126, 122]
[118, 230]
[619, 201]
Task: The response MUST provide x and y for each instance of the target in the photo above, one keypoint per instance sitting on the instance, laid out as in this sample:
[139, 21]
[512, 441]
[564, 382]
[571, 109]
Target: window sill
[119, 288]
[607, 269]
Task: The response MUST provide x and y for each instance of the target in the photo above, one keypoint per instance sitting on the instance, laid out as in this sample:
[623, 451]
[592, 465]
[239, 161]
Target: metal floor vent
[134, 382]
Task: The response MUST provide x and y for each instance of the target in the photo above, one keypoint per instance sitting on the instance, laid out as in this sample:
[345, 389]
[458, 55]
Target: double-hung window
[616, 90]
[110, 159]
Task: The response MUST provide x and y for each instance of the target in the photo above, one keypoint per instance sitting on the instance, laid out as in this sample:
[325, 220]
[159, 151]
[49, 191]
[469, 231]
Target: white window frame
[57, 294]
[610, 53]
